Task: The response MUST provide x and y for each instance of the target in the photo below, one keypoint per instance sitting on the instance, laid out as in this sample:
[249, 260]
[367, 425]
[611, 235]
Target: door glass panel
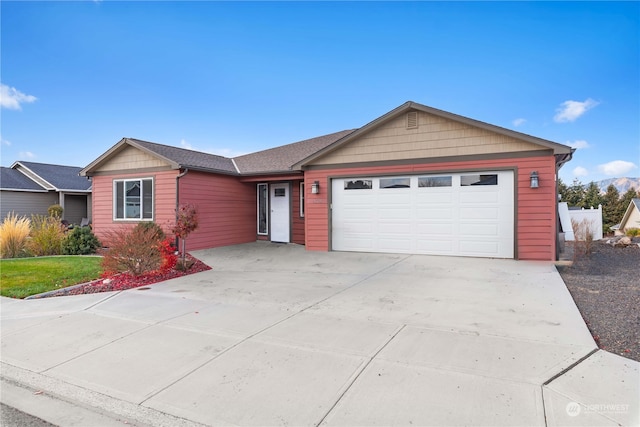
[263, 219]
[279, 192]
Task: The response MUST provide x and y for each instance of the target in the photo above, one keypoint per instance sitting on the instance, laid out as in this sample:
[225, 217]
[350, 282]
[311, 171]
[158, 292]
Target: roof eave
[278, 172]
[208, 170]
[26, 190]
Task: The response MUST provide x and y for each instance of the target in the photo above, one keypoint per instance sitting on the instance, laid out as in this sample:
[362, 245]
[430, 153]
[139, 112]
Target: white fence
[591, 218]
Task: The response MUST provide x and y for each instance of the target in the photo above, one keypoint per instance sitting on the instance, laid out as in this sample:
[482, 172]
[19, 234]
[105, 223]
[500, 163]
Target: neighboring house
[630, 219]
[29, 188]
[415, 180]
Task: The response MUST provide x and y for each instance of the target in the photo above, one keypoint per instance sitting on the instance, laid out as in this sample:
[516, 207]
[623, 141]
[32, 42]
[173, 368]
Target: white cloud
[580, 171]
[11, 97]
[617, 168]
[26, 155]
[519, 122]
[579, 144]
[4, 142]
[569, 111]
[185, 144]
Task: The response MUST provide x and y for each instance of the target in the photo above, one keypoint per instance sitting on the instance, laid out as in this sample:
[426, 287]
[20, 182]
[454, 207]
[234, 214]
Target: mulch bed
[605, 286]
[125, 281]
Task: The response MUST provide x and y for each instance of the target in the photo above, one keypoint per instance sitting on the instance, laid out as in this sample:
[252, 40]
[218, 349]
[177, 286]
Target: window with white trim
[133, 199]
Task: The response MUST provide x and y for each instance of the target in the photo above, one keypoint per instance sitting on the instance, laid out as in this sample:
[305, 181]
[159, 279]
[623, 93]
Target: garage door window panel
[359, 184]
[480, 179]
[390, 183]
[434, 181]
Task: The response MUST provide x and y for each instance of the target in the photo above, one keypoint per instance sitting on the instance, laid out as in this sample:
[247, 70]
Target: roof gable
[415, 140]
[53, 177]
[634, 205]
[163, 155]
[12, 179]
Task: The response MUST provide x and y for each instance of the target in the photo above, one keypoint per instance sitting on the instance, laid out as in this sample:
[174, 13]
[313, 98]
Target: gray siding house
[29, 188]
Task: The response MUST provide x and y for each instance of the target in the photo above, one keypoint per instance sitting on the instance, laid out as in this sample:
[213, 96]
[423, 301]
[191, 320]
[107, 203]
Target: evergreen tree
[592, 197]
[575, 193]
[563, 190]
[611, 208]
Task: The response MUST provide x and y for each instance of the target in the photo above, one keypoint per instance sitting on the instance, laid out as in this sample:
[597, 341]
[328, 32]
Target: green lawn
[22, 277]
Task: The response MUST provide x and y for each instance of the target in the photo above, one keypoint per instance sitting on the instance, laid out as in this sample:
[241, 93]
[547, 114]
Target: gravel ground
[605, 286]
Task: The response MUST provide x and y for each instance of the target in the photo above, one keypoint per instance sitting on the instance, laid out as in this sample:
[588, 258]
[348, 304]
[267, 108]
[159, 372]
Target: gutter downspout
[178, 199]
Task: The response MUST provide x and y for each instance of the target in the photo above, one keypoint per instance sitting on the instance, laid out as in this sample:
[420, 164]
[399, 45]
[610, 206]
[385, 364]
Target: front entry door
[280, 213]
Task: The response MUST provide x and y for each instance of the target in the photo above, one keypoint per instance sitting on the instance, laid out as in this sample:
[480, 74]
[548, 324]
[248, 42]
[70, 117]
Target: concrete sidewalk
[276, 335]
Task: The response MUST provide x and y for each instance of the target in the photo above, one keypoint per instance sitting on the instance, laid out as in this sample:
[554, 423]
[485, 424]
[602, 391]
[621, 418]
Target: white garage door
[464, 214]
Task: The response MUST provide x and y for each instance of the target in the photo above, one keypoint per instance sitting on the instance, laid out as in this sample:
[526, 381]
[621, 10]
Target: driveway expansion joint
[359, 372]
[570, 367]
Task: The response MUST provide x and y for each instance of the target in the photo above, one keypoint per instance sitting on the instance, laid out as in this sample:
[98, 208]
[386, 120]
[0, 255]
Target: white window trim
[302, 197]
[266, 232]
[153, 201]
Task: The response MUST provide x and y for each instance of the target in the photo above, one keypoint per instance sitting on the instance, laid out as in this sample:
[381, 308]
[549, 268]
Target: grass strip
[22, 277]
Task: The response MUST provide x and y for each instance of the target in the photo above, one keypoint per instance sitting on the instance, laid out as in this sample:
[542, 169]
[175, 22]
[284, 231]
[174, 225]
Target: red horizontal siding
[102, 202]
[535, 209]
[297, 222]
[226, 209]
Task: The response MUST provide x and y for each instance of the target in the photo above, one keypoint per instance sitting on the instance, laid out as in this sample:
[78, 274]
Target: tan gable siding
[434, 137]
[131, 158]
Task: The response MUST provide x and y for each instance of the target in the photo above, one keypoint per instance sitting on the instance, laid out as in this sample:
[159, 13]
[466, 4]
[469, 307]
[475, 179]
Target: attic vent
[412, 120]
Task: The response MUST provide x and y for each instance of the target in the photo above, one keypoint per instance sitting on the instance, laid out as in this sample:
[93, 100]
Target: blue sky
[236, 77]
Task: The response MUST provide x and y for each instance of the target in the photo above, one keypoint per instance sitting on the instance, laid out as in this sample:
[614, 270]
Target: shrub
[138, 252]
[152, 226]
[14, 232]
[168, 253]
[55, 211]
[633, 232]
[80, 241]
[47, 234]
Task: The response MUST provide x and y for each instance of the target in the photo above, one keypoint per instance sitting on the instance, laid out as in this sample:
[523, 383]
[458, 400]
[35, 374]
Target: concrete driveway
[276, 335]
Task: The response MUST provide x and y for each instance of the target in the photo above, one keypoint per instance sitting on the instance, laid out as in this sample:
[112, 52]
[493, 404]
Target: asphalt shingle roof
[189, 158]
[61, 177]
[11, 179]
[281, 159]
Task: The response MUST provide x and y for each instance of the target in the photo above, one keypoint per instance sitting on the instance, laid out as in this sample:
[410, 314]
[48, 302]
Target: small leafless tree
[583, 233]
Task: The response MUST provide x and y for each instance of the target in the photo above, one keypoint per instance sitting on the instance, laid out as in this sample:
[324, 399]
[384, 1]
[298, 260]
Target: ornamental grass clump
[47, 234]
[14, 232]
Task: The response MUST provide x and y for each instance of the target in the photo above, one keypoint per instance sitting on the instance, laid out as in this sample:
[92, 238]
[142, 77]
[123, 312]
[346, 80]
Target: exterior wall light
[315, 187]
[534, 179]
